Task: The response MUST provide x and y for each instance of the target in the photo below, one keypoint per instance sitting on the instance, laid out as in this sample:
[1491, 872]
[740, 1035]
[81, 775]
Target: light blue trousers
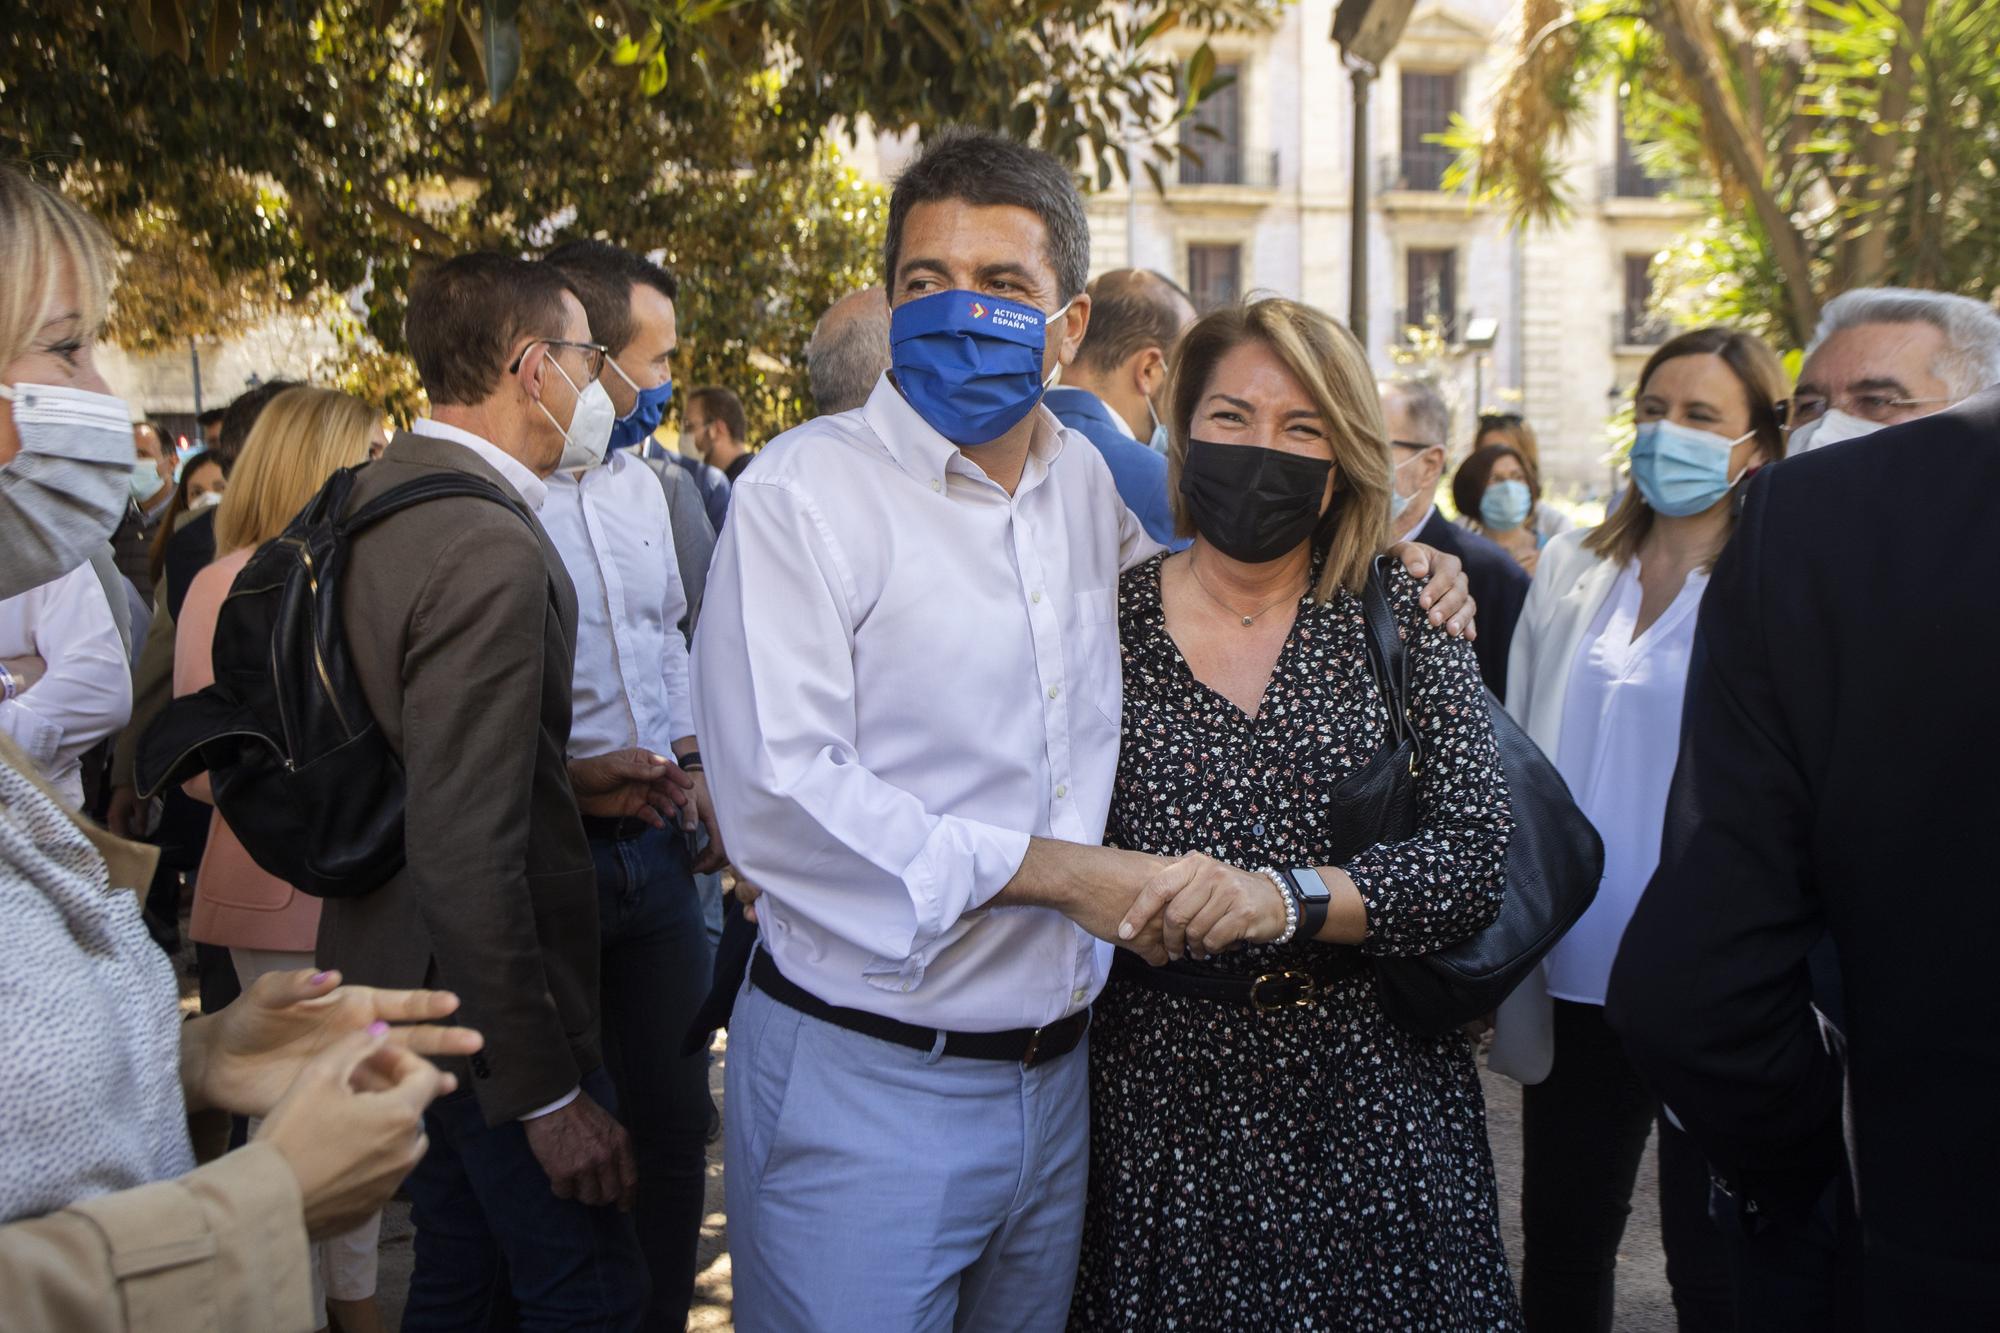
[873, 1187]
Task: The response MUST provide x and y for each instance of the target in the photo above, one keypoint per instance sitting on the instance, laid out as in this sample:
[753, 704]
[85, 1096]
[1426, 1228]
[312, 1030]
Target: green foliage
[1831, 145]
[256, 155]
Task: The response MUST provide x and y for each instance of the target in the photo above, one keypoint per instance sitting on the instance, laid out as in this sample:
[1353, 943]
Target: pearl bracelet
[1291, 906]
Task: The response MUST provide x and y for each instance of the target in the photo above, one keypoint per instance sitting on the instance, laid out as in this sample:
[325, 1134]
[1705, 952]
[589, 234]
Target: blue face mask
[971, 365]
[1505, 505]
[1158, 444]
[1681, 470]
[646, 414]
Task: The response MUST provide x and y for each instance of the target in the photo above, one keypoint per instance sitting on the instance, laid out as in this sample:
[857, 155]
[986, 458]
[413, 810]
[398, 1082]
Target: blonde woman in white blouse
[1596, 673]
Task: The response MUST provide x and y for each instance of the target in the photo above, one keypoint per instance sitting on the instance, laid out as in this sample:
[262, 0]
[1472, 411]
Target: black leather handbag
[1554, 861]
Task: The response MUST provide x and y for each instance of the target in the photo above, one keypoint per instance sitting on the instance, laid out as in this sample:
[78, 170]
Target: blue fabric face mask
[1680, 470]
[646, 414]
[970, 364]
[1505, 505]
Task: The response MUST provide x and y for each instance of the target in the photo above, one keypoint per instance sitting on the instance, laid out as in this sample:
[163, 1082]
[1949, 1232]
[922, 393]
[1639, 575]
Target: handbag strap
[1390, 658]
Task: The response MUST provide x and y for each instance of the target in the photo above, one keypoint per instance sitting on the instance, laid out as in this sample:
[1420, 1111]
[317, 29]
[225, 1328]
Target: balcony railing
[1628, 180]
[1420, 167]
[1409, 318]
[1639, 328]
[1218, 163]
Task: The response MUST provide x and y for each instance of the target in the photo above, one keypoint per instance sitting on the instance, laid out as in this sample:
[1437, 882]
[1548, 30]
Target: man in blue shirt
[1107, 393]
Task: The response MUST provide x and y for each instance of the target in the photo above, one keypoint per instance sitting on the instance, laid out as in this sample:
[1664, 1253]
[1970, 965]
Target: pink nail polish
[377, 1028]
[319, 978]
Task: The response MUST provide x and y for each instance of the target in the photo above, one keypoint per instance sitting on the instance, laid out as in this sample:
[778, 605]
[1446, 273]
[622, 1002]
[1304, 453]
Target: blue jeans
[656, 966]
[487, 1223]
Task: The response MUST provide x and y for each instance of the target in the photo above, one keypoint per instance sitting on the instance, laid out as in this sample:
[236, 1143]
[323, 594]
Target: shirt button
[1076, 996]
[936, 485]
[1257, 830]
[1035, 597]
[1054, 690]
[1061, 791]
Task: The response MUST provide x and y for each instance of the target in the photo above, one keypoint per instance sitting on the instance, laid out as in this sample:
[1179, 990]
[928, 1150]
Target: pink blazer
[236, 903]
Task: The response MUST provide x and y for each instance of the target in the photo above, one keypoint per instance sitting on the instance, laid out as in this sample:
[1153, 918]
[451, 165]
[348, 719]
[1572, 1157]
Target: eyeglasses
[1880, 408]
[594, 355]
[1488, 420]
[1412, 444]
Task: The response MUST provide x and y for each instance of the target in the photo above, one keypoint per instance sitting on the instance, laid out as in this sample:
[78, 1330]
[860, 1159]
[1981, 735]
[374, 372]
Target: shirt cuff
[963, 866]
[38, 737]
[553, 1106]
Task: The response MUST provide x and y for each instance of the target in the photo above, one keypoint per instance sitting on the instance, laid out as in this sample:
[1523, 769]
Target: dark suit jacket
[462, 623]
[1840, 772]
[189, 551]
[1139, 474]
[1499, 585]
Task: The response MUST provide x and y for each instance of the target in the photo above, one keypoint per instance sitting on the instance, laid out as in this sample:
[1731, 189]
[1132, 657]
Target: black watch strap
[1314, 900]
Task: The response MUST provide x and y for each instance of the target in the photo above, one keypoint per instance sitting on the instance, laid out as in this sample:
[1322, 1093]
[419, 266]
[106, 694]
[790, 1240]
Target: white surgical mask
[206, 500]
[146, 481]
[1832, 427]
[589, 432]
[67, 489]
[1399, 503]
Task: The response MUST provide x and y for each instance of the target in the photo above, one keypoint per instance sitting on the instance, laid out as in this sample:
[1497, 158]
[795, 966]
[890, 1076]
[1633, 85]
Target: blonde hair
[41, 235]
[302, 437]
[1333, 370]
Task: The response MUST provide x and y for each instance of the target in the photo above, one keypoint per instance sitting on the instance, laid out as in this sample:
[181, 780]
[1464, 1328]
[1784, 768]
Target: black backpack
[298, 765]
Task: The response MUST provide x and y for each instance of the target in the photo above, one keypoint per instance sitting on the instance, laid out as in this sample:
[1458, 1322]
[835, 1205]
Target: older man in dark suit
[1419, 424]
[462, 623]
[1837, 777]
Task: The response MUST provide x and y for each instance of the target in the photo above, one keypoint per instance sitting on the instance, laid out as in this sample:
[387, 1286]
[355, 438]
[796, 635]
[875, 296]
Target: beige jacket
[1570, 585]
[220, 1250]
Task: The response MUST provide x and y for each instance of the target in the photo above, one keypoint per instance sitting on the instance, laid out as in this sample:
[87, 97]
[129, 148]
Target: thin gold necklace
[1248, 620]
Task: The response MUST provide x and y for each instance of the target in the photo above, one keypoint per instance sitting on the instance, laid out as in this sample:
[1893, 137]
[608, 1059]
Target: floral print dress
[1306, 1168]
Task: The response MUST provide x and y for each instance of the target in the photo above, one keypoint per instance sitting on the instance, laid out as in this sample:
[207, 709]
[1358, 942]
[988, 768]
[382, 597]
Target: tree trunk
[1691, 46]
[1865, 257]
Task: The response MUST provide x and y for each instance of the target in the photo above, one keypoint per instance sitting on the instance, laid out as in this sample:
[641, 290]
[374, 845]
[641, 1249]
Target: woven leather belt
[1281, 988]
[1030, 1046]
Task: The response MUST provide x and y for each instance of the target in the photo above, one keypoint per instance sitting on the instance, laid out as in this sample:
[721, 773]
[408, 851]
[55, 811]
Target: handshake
[1162, 910]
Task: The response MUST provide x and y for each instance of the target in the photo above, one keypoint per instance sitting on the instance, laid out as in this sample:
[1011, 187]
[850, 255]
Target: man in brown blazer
[462, 622]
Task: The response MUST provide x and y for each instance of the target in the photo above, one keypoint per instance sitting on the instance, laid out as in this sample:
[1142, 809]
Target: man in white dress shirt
[630, 693]
[908, 679]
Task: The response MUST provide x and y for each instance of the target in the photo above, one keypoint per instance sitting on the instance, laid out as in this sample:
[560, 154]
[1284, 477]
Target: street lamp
[1480, 335]
[1366, 31]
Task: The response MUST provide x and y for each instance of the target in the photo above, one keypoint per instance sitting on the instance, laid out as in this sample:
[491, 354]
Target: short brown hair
[1131, 309]
[720, 404]
[1757, 369]
[1333, 370]
[603, 276]
[466, 314]
[1473, 475]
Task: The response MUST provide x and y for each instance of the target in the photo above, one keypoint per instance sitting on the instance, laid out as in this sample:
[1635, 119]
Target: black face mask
[1253, 504]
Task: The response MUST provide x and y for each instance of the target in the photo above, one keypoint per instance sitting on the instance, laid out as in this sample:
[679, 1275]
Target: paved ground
[1643, 1306]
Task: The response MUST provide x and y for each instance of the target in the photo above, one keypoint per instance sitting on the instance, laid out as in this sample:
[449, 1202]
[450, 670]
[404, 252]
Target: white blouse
[1621, 728]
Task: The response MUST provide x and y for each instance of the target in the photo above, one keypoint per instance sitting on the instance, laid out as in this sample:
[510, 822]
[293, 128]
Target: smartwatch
[1314, 900]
